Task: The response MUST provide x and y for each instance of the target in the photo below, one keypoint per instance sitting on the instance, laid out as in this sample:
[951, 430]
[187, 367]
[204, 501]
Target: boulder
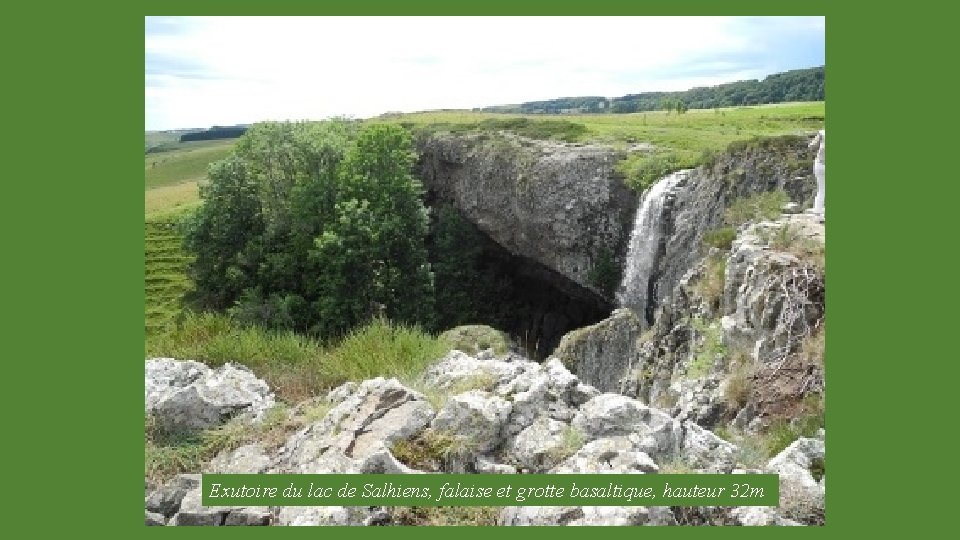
[602, 354]
[613, 414]
[185, 397]
[377, 414]
[476, 416]
[166, 499]
[544, 444]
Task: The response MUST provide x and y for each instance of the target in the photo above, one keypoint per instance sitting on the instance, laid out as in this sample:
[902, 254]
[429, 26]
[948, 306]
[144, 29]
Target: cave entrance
[481, 282]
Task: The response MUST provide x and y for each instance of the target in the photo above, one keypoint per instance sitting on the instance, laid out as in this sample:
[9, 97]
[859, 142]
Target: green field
[185, 162]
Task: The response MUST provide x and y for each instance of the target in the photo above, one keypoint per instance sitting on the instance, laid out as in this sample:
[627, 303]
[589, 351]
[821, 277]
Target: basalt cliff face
[562, 207]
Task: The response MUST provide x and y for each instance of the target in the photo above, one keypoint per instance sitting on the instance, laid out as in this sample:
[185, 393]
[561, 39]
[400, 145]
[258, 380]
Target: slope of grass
[165, 274]
[185, 162]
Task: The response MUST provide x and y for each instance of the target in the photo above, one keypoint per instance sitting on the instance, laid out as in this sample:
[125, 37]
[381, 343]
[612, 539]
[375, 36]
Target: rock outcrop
[184, 397]
[560, 205]
[496, 414]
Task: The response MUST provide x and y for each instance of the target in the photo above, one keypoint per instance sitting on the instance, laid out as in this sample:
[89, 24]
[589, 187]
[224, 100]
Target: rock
[791, 208]
[544, 444]
[801, 466]
[608, 455]
[305, 516]
[759, 516]
[476, 416]
[703, 450]
[382, 461]
[166, 499]
[483, 465]
[585, 515]
[377, 414]
[613, 414]
[567, 387]
[185, 397]
[460, 371]
[602, 354]
[152, 519]
[248, 459]
[560, 205]
[192, 513]
[771, 297]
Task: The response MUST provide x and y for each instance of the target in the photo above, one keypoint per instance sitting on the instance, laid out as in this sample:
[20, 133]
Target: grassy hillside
[184, 162]
[165, 273]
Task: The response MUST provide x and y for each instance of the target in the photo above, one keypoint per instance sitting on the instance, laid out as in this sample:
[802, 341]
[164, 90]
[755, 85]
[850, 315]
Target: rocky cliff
[560, 206]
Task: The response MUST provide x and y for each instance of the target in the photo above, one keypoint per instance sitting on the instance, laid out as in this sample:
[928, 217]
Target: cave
[534, 304]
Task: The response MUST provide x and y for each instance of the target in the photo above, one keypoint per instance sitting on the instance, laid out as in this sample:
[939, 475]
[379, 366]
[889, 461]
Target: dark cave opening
[485, 283]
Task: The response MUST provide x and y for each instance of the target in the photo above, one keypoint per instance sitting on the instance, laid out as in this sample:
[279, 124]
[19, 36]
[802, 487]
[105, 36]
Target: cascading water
[644, 245]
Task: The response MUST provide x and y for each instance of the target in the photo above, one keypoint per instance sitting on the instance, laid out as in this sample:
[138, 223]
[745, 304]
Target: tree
[314, 226]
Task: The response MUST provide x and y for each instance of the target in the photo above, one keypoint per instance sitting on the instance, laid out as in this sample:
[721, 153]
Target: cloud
[225, 70]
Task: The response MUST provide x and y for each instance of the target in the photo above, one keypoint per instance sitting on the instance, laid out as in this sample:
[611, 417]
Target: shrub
[762, 206]
[643, 170]
[707, 351]
[432, 450]
[474, 338]
[711, 283]
[721, 238]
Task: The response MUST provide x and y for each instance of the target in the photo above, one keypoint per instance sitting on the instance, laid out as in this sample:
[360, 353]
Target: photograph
[485, 245]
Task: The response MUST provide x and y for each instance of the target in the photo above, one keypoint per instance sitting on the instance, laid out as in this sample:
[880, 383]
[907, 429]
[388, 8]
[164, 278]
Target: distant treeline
[795, 85]
[216, 132]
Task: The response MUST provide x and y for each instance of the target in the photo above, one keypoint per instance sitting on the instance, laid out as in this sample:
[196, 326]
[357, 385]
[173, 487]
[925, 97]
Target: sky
[204, 71]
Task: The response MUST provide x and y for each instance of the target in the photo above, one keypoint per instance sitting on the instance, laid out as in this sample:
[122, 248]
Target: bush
[643, 170]
[315, 227]
[474, 338]
[762, 206]
[711, 283]
[721, 238]
[709, 349]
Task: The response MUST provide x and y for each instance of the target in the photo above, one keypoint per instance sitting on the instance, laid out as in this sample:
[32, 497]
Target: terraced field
[165, 276]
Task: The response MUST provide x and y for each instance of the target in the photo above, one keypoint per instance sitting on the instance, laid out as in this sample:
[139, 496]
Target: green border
[74, 288]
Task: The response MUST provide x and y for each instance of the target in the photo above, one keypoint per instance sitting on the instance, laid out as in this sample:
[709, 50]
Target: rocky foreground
[482, 414]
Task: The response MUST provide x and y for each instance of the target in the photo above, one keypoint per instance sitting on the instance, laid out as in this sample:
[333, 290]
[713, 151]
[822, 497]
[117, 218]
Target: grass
[707, 351]
[571, 440]
[186, 162]
[165, 201]
[295, 366]
[678, 140]
[739, 384]
[432, 449]
[790, 239]
[166, 455]
[710, 286]
[721, 238]
[762, 206]
[446, 515]
[165, 273]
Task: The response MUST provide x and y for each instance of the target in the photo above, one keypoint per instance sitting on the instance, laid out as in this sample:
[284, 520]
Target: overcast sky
[202, 71]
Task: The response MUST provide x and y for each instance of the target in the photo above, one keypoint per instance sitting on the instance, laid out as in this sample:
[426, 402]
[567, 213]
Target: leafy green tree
[315, 226]
[220, 234]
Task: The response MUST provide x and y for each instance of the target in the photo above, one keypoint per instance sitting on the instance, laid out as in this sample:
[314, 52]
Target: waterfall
[644, 245]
